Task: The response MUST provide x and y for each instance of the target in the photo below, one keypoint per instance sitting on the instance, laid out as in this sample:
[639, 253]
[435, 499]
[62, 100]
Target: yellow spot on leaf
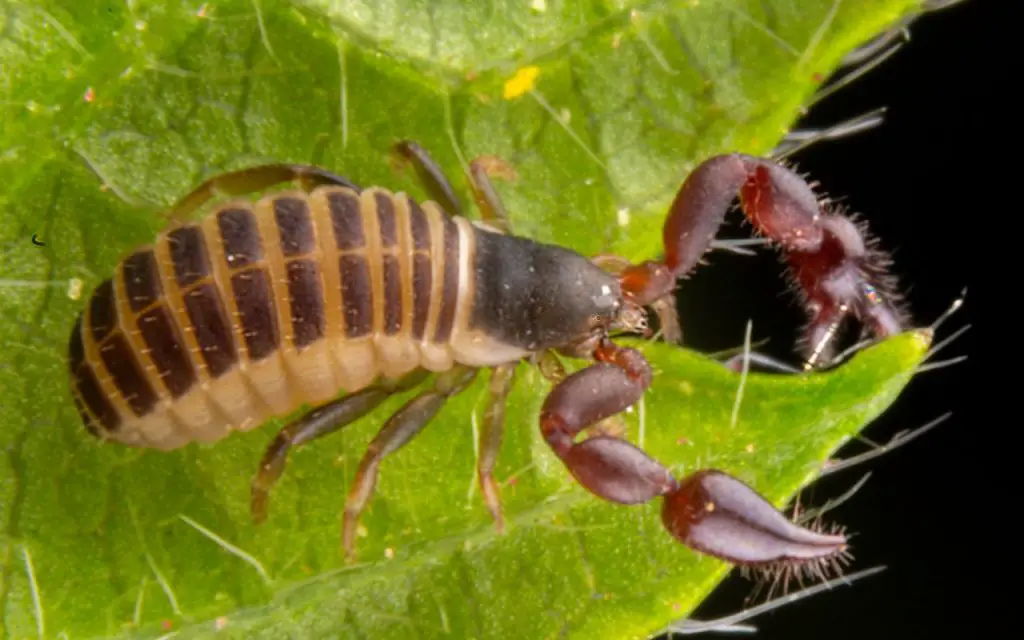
[523, 81]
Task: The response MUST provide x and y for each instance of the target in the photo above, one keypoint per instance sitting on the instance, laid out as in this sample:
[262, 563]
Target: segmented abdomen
[264, 306]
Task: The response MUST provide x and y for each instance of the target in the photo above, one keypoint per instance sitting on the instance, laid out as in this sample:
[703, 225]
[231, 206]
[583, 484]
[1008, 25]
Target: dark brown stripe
[357, 295]
[102, 311]
[450, 293]
[392, 295]
[76, 349]
[256, 312]
[240, 237]
[307, 302]
[188, 253]
[421, 278]
[87, 420]
[128, 376]
[94, 398]
[295, 226]
[141, 280]
[419, 226]
[346, 220]
[386, 220]
[211, 329]
[166, 350]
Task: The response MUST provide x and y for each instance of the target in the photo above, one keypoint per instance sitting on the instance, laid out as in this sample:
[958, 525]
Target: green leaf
[112, 111]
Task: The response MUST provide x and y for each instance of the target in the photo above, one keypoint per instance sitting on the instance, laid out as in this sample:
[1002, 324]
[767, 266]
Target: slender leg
[440, 188]
[490, 439]
[832, 260]
[431, 174]
[254, 179]
[396, 433]
[492, 210]
[551, 367]
[709, 511]
[321, 422]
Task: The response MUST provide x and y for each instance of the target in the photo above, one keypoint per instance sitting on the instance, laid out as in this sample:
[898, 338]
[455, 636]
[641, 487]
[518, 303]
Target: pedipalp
[833, 262]
[709, 511]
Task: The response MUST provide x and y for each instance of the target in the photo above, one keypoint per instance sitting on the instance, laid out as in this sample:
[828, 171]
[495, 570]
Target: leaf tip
[921, 339]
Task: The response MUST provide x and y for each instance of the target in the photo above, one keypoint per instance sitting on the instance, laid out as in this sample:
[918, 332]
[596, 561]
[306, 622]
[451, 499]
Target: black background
[917, 180]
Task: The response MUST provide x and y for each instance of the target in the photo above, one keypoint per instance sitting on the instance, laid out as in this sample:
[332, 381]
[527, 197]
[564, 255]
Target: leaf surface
[111, 112]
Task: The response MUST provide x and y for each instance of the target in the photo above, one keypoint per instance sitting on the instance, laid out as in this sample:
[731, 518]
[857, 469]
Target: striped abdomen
[262, 307]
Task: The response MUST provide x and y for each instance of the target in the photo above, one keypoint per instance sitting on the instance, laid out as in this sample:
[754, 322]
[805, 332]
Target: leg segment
[316, 424]
[709, 511]
[492, 210]
[440, 188]
[396, 433]
[431, 174]
[550, 367]
[833, 260]
[252, 180]
[490, 439]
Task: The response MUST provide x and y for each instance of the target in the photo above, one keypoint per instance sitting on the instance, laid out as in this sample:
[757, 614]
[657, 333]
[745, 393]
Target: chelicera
[263, 307]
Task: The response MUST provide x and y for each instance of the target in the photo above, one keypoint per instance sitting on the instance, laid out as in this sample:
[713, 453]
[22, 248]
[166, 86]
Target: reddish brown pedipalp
[709, 511]
[833, 262]
[838, 274]
[717, 514]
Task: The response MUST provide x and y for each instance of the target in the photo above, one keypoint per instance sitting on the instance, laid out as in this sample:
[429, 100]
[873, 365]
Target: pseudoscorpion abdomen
[261, 307]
